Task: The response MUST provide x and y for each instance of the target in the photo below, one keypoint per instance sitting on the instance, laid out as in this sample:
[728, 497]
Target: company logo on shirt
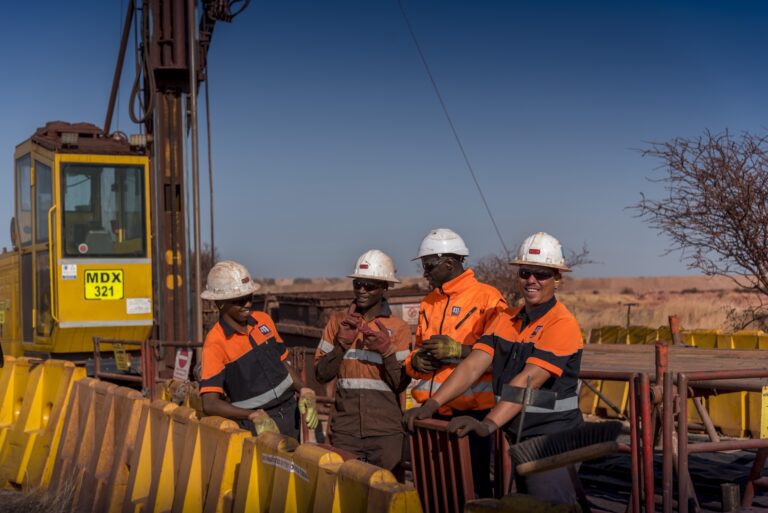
[456, 310]
[264, 329]
[389, 332]
[536, 330]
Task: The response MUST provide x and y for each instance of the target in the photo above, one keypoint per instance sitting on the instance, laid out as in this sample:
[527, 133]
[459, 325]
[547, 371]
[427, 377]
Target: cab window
[24, 204]
[103, 212]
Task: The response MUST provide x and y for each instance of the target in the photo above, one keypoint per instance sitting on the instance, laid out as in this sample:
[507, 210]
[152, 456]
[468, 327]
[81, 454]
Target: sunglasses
[539, 274]
[367, 285]
[241, 301]
[430, 265]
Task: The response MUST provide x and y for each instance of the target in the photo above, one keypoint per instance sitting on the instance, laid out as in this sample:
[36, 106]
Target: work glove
[348, 328]
[443, 347]
[263, 423]
[423, 361]
[378, 341]
[424, 411]
[462, 426]
[308, 407]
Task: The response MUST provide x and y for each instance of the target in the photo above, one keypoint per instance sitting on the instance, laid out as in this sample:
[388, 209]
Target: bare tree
[495, 270]
[716, 209]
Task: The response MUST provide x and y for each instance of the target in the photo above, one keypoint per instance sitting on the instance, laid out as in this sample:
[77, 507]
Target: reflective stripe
[262, 399]
[569, 403]
[477, 388]
[363, 355]
[402, 355]
[362, 384]
[326, 346]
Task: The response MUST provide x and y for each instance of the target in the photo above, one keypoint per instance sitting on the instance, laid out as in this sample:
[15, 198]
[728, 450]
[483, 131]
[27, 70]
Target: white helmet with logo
[375, 265]
[228, 280]
[442, 241]
[541, 249]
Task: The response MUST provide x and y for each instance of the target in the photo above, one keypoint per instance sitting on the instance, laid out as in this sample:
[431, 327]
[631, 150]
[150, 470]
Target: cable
[450, 122]
[210, 165]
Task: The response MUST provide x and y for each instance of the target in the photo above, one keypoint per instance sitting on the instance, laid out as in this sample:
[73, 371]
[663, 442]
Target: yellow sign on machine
[104, 284]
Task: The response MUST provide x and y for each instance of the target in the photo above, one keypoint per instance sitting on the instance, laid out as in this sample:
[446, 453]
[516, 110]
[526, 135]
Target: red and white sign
[183, 363]
[411, 313]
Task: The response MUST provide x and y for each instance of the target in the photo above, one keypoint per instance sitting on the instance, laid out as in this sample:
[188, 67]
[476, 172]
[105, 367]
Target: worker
[537, 345]
[245, 374]
[363, 348]
[451, 319]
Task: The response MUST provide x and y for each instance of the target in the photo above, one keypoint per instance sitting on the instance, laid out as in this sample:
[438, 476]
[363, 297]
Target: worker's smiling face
[368, 292]
[537, 283]
[238, 309]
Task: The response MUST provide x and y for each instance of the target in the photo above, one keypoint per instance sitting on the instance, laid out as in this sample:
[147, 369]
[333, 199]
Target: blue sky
[328, 139]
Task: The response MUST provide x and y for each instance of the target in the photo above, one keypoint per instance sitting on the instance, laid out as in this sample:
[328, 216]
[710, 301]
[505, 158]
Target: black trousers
[481, 449]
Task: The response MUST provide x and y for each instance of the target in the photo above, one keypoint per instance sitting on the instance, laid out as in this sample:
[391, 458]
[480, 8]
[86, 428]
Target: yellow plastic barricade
[701, 338]
[309, 482]
[261, 457]
[354, 483]
[393, 498]
[156, 457]
[611, 335]
[13, 382]
[106, 475]
[212, 452]
[27, 454]
[642, 335]
[77, 437]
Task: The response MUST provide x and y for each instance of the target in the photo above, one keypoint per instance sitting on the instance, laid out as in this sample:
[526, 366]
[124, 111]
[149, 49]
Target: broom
[547, 452]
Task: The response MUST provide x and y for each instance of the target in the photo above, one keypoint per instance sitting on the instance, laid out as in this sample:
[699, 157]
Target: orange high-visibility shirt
[462, 309]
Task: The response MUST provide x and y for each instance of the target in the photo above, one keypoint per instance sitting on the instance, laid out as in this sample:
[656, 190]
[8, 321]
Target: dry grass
[34, 502]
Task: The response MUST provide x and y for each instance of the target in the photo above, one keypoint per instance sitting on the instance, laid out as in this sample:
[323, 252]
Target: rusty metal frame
[684, 448]
[442, 469]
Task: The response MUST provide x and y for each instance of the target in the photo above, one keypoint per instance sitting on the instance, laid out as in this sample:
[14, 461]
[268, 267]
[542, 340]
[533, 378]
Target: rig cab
[81, 264]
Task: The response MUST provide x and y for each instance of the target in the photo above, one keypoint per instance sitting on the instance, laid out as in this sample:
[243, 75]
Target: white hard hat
[375, 265]
[228, 280]
[541, 249]
[442, 241]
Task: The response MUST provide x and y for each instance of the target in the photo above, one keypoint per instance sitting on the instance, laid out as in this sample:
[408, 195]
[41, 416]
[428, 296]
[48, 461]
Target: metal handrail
[51, 272]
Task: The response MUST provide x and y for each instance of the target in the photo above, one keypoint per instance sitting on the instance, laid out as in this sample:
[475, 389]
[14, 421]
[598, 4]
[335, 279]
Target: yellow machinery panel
[10, 336]
[82, 265]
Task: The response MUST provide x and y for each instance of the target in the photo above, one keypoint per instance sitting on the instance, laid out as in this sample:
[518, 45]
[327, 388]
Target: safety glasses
[367, 285]
[430, 265]
[241, 301]
[539, 274]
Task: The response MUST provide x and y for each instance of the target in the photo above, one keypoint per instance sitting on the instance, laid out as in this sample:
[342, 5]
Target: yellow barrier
[13, 382]
[106, 475]
[212, 451]
[153, 462]
[261, 457]
[77, 437]
[309, 482]
[27, 454]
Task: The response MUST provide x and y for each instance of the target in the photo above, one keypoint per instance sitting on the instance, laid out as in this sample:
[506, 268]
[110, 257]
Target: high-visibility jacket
[368, 384]
[549, 337]
[462, 309]
[247, 367]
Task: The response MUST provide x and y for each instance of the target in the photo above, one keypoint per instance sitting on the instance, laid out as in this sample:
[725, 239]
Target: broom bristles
[545, 446]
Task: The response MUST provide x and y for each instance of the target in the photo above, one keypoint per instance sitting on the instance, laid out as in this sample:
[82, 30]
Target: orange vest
[462, 309]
